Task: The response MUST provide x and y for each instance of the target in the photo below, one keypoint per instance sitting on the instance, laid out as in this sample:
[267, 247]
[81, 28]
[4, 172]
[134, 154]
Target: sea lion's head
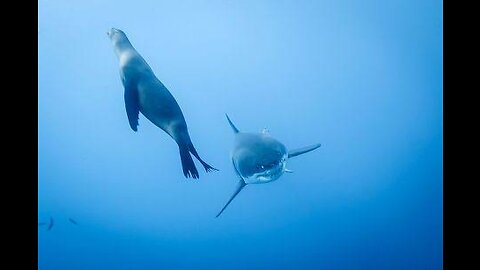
[116, 35]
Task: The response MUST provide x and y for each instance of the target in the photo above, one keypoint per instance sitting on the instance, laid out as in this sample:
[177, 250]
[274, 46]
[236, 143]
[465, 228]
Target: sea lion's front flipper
[132, 104]
[240, 186]
[303, 150]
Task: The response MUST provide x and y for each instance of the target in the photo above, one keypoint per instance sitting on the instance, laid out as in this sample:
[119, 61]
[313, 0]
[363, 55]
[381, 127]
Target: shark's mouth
[268, 175]
[271, 173]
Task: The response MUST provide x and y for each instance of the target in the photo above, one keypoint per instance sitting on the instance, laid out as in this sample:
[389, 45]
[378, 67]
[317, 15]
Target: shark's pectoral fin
[303, 150]
[240, 186]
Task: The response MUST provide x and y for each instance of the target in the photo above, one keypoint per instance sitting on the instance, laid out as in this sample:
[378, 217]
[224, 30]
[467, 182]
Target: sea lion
[146, 94]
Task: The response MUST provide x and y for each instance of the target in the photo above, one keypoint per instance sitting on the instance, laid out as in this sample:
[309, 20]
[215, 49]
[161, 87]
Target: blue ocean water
[364, 78]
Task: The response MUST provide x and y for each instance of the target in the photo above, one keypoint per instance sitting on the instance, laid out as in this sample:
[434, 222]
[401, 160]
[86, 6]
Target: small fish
[50, 225]
[72, 221]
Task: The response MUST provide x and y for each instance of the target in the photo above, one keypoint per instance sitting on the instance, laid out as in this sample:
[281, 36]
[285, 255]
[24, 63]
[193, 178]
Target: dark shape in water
[72, 221]
[50, 225]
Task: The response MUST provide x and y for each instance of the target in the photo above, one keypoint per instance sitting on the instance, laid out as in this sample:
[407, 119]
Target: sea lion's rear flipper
[207, 167]
[189, 169]
[303, 150]
[240, 186]
[131, 104]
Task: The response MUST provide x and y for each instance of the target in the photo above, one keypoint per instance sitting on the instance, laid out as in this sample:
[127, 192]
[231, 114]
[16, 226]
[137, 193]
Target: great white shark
[259, 158]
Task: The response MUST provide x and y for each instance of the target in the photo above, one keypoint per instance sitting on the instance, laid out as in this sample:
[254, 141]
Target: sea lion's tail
[189, 169]
[207, 167]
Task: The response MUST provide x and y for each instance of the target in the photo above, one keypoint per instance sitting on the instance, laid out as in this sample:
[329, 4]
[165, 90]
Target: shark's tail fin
[241, 185]
[207, 167]
[189, 169]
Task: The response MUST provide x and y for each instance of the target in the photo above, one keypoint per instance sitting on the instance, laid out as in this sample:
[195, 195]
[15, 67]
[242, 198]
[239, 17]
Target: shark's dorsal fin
[240, 186]
[235, 129]
[303, 150]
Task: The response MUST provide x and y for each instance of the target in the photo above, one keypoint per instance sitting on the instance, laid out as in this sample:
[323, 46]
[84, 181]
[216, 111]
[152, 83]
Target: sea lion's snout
[111, 31]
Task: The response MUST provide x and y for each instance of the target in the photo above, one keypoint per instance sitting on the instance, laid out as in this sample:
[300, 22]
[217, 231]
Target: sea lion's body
[146, 94]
